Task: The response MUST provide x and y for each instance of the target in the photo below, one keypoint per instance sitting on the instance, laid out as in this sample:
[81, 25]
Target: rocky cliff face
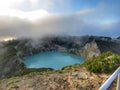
[97, 45]
[90, 50]
[109, 45]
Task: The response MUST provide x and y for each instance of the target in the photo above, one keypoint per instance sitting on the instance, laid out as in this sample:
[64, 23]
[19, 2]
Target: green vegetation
[105, 63]
[74, 67]
[11, 52]
[31, 71]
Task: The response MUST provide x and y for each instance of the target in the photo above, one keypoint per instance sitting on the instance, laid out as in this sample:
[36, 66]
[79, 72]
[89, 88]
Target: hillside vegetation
[105, 63]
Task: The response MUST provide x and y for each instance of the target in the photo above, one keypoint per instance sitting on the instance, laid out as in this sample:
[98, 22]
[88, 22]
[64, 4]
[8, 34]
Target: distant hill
[118, 38]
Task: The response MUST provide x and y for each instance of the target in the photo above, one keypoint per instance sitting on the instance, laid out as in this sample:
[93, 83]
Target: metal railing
[111, 79]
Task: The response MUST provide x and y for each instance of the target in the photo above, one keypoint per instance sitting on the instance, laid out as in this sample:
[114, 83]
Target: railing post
[118, 82]
[110, 80]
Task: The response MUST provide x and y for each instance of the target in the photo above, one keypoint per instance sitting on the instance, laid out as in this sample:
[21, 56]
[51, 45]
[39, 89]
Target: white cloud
[86, 11]
[30, 5]
[41, 4]
[30, 15]
[9, 3]
[36, 9]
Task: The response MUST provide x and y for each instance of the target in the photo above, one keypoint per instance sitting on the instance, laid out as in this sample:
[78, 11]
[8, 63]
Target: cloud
[100, 20]
[15, 27]
[30, 5]
[103, 12]
[36, 4]
[55, 24]
[31, 15]
[9, 3]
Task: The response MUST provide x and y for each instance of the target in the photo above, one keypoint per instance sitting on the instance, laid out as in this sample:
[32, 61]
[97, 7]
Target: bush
[105, 63]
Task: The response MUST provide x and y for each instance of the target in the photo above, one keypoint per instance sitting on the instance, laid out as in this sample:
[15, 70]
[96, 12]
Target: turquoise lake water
[55, 60]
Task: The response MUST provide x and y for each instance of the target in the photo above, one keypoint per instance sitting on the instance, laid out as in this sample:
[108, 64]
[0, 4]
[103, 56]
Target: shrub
[105, 63]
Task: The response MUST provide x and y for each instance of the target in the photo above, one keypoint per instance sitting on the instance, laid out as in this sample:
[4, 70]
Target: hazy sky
[36, 18]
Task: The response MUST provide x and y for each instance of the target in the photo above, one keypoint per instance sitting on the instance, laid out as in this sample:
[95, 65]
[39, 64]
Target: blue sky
[74, 6]
[33, 18]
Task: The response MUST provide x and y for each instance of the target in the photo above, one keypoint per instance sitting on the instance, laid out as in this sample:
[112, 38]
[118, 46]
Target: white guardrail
[111, 79]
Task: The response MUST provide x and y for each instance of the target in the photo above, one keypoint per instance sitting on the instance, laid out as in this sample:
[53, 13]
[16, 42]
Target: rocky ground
[80, 79]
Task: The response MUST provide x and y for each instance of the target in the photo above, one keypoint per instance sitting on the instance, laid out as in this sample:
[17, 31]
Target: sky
[37, 18]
